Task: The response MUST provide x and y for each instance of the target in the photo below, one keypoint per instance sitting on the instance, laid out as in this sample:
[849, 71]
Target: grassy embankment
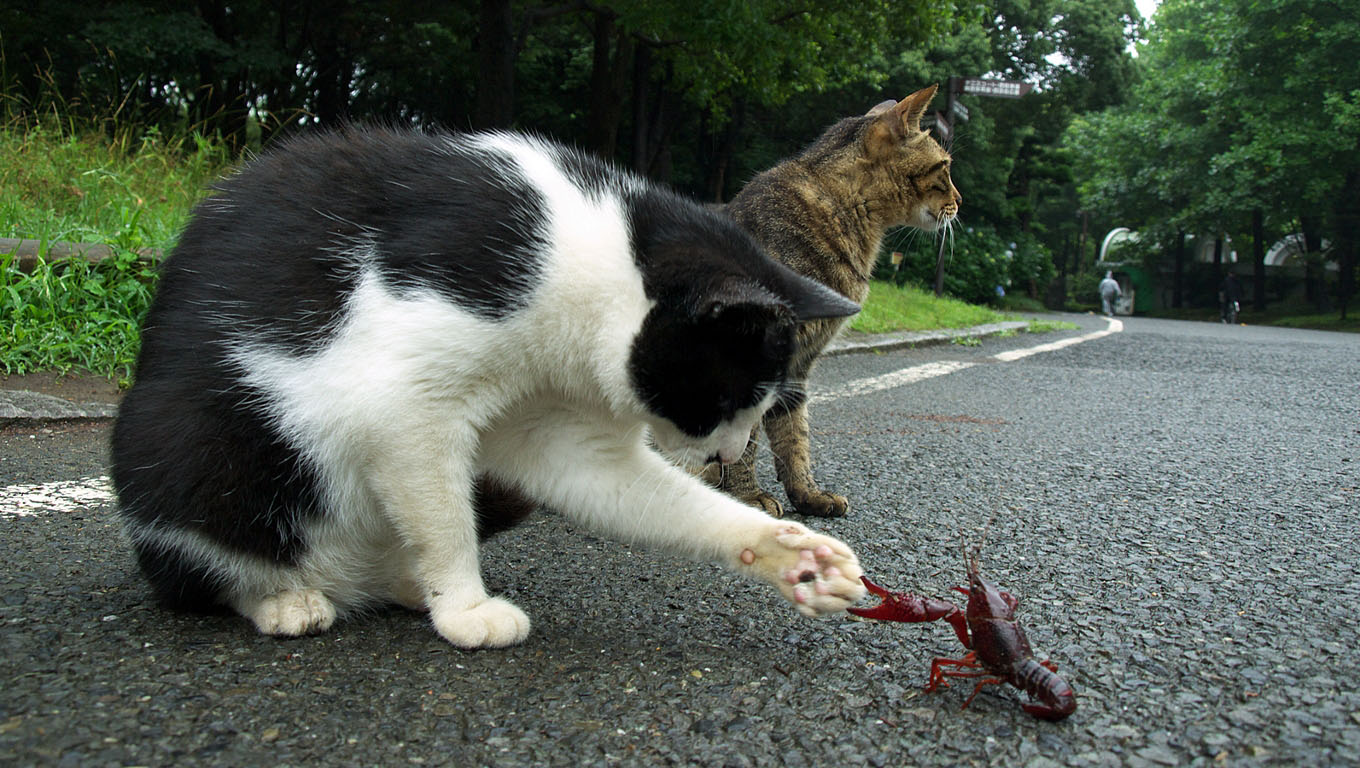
[134, 194]
[70, 315]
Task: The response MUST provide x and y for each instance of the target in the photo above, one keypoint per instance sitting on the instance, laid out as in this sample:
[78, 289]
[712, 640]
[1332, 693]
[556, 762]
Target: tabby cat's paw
[819, 503]
[817, 573]
[764, 502]
[492, 623]
[291, 613]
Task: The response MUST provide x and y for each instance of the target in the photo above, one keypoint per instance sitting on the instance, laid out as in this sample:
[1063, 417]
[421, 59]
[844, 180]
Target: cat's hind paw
[291, 613]
[818, 574]
[492, 623]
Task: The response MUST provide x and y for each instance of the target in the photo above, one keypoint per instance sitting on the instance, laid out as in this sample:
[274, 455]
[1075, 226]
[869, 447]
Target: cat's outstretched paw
[817, 573]
[291, 613]
[492, 623]
[819, 503]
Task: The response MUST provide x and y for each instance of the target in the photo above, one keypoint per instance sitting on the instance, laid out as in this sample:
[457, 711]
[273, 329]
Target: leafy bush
[977, 261]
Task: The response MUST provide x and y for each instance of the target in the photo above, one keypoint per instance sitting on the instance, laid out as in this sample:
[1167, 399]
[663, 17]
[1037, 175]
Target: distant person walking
[1229, 294]
[1109, 292]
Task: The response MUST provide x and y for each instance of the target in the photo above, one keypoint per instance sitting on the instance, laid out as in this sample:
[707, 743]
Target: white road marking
[898, 378]
[28, 500]
[930, 370]
[1015, 354]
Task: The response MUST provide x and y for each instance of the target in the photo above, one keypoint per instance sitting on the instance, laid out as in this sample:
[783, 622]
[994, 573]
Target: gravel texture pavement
[1175, 506]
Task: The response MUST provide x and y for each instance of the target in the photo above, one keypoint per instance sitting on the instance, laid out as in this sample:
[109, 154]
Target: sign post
[944, 124]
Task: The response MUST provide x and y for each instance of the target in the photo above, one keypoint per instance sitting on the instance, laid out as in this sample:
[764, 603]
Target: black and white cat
[355, 329]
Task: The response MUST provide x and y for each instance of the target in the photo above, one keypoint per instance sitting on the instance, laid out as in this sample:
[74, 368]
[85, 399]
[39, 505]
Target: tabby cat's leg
[738, 479]
[788, 431]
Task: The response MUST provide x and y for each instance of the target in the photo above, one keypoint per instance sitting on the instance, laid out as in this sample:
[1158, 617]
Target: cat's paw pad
[819, 503]
[817, 573]
[492, 623]
[293, 613]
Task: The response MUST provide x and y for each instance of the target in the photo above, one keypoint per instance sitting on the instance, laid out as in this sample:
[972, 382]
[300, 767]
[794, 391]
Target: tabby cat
[355, 327]
[824, 213]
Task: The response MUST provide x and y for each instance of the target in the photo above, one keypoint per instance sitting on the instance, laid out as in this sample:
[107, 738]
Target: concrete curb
[23, 408]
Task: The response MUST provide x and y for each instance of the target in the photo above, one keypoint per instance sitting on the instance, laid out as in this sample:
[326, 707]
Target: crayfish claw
[873, 588]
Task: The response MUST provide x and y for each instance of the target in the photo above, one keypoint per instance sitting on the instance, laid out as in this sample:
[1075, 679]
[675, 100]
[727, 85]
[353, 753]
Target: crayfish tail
[1056, 700]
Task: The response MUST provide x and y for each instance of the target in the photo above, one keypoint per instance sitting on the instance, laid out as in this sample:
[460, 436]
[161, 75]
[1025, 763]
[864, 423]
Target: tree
[1247, 118]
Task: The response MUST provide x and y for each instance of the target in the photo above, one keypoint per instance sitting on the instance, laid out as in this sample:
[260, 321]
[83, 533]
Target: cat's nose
[725, 456]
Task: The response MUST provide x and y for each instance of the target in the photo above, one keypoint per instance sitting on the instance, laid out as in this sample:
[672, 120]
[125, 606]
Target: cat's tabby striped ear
[908, 112]
[897, 122]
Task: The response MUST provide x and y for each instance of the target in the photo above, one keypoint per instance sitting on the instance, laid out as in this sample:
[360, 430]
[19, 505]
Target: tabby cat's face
[937, 200]
[905, 165]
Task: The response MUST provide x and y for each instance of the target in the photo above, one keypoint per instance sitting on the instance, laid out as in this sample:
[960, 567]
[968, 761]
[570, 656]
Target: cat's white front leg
[426, 491]
[613, 483]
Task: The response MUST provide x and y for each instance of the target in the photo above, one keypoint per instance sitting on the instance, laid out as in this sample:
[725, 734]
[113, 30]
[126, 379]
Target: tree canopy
[700, 93]
[1244, 123]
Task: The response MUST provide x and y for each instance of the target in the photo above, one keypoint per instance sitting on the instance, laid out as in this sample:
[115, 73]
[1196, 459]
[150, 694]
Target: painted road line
[915, 373]
[1016, 354]
[27, 500]
[898, 378]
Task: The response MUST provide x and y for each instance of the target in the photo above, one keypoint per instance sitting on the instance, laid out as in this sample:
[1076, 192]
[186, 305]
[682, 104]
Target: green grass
[1329, 322]
[86, 188]
[907, 308]
[1282, 315]
[130, 194]
[73, 315]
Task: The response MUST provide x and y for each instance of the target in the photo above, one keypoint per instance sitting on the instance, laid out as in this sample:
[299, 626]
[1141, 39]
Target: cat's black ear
[810, 300]
[737, 294]
[804, 298]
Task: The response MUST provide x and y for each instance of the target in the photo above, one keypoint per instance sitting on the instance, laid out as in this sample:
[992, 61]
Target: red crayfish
[997, 647]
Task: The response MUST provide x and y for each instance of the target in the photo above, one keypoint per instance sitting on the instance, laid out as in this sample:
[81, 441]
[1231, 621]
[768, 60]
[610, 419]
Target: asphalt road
[1174, 504]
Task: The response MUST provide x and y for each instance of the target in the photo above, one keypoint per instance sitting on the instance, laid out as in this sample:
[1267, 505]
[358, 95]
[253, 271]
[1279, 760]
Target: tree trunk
[1258, 258]
[1218, 261]
[642, 73]
[1178, 272]
[1315, 274]
[211, 106]
[662, 128]
[607, 82]
[496, 53]
[334, 72]
[718, 150]
[1346, 226]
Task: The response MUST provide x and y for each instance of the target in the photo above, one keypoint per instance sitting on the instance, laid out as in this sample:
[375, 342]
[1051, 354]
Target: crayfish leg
[938, 672]
[978, 687]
